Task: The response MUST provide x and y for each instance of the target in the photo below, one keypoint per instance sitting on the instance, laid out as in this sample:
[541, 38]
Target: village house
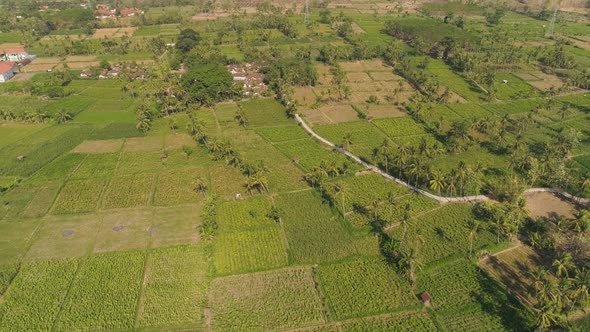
[14, 54]
[105, 13]
[103, 6]
[252, 80]
[7, 69]
[126, 12]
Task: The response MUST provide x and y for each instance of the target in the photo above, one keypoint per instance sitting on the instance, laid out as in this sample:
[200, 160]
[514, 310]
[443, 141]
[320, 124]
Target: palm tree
[563, 264]
[260, 181]
[405, 221]
[385, 150]
[411, 263]
[437, 181]
[241, 118]
[392, 202]
[143, 123]
[473, 230]
[375, 208]
[200, 185]
[347, 141]
[462, 176]
[62, 116]
[341, 189]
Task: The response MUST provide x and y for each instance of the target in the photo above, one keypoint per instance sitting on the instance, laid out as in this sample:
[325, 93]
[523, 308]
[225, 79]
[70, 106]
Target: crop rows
[42, 200]
[248, 251]
[282, 134]
[175, 288]
[362, 288]
[59, 168]
[244, 214]
[79, 196]
[105, 293]
[35, 297]
[314, 233]
[128, 191]
[445, 232]
[99, 165]
[265, 301]
[402, 126]
[262, 112]
[470, 111]
[177, 187]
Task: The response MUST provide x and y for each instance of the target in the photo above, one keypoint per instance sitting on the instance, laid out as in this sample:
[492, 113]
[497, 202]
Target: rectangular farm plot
[139, 162]
[362, 288]
[176, 226]
[105, 293]
[143, 144]
[64, 236]
[303, 212]
[282, 134]
[309, 154]
[265, 301]
[358, 77]
[96, 166]
[244, 214]
[400, 127]
[227, 181]
[178, 187]
[42, 200]
[34, 299]
[126, 230]
[128, 191]
[338, 113]
[99, 146]
[15, 239]
[79, 196]
[248, 251]
[177, 141]
[470, 111]
[175, 288]
[265, 113]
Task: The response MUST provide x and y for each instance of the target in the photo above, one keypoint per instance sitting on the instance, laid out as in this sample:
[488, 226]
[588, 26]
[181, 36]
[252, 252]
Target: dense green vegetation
[153, 174]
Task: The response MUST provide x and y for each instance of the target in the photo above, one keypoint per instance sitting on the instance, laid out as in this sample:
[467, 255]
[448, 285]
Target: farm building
[126, 12]
[105, 13]
[253, 80]
[6, 70]
[14, 54]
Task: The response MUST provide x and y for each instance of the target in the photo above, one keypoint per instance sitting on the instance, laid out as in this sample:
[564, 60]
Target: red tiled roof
[14, 50]
[129, 11]
[105, 12]
[6, 66]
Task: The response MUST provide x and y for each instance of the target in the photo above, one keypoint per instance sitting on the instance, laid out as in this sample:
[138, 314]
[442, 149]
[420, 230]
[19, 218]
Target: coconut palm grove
[308, 165]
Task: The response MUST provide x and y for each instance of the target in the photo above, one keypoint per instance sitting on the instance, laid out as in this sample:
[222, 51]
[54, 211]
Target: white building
[7, 69]
[13, 54]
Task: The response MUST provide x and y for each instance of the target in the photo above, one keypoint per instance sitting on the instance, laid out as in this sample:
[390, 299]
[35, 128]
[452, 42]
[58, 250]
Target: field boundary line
[442, 199]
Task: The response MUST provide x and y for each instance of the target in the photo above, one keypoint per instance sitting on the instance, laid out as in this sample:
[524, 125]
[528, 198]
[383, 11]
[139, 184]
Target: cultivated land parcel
[175, 195]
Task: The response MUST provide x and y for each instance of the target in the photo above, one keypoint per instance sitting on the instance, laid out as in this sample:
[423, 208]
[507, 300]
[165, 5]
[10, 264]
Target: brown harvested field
[208, 16]
[337, 113]
[384, 76]
[316, 117]
[527, 76]
[358, 77]
[79, 65]
[33, 67]
[376, 65]
[80, 58]
[142, 144]
[47, 60]
[513, 268]
[352, 66]
[545, 81]
[126, 31]
[383, 111]
[324, 75]
[99, 146]
[304, 96]
[177, 141]
[105, 32]
[545, 204]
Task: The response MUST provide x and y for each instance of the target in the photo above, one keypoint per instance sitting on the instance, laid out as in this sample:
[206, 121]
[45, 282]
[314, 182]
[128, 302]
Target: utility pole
[306, 19]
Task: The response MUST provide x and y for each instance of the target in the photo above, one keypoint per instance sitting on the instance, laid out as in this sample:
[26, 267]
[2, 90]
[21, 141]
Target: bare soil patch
[376, 65]
[80, 58]
[142, 144]
[339, 113]
[316, 117]
[358, 77]
[177, 141]
[105, 32]
[527, 76]
[304, 96]
[99, 146]
[33, 67]
[207, 16]
[352, 66]
[545, 204]
[79, 65]
[384, 76]
[324, 75]
[10, 45]
[383, 111]
[47, 60]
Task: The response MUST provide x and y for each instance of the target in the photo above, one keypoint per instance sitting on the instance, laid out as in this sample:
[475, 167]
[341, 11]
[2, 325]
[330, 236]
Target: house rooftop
[6, 66]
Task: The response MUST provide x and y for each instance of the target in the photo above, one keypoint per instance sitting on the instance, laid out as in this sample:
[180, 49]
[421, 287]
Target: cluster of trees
[35, 116]
[257, 173]
[561, 286]
[326, 170]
